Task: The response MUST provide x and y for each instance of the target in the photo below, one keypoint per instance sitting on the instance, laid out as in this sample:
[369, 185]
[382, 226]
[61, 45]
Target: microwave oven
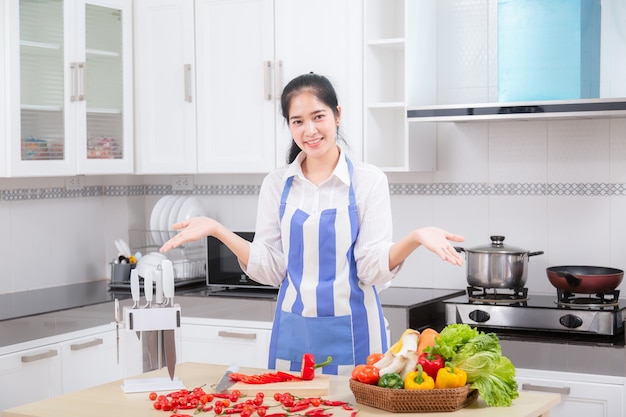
[223, 270]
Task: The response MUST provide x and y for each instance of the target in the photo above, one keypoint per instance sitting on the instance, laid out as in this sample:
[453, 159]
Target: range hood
[569, 109]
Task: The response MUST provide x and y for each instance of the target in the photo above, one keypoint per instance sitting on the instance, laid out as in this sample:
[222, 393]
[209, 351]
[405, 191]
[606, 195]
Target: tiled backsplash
[556, 186]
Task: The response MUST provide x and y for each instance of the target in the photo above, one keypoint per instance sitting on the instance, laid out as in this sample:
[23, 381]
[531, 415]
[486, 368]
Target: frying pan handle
[540, 252]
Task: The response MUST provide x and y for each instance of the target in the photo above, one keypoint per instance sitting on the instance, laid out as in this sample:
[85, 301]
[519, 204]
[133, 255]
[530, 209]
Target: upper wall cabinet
[209, 75]
[68, 105]
[515, 59]
[390, 142]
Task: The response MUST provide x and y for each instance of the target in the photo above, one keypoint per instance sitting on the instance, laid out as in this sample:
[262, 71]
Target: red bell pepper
[431, 363]
[309, 366]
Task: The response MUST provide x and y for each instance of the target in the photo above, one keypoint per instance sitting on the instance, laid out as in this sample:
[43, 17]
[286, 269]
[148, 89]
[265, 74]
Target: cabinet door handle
[91, 343]
[74, 81]
[224, 333]
[541, 388]
[81, 81]
[267, 80]
[278, 80]
[187, 70]
[39, 356]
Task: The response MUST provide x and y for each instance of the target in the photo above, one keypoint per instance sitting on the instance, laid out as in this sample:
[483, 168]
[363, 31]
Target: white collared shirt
[266, 263]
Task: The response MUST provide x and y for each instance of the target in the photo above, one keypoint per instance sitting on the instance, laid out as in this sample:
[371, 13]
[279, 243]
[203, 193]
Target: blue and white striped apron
[322, 307]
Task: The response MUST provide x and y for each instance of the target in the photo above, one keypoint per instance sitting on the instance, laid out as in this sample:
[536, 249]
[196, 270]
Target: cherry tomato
[316, 402]
[157, 405]
[277, 396]
[368, 375]
[373, 358]
[152, 396]
[261, 411]
[356, 370]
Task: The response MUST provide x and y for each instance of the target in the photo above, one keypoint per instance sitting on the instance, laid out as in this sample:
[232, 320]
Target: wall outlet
[182, 182]
[74, 183]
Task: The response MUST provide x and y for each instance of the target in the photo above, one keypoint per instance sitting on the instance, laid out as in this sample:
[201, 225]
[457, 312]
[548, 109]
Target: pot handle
[459, 249]
[540, 252]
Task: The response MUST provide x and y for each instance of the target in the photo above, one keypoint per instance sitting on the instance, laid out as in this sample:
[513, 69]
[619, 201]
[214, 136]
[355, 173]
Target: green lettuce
[479, 354]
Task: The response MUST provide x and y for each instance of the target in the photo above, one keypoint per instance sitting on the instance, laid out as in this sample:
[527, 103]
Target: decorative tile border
[440, 189]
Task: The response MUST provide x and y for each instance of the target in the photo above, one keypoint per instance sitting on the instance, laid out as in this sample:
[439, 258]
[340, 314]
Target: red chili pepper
[317, 412]
[354, 413]
[299, 407]
[276, 415]
[334, 403]
[309, 366]
[347, 407]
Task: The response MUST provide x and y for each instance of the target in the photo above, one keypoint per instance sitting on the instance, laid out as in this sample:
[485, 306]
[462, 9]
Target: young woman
[323, 234]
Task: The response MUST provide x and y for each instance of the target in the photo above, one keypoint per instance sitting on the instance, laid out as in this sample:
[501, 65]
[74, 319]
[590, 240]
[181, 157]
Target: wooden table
[109, 400]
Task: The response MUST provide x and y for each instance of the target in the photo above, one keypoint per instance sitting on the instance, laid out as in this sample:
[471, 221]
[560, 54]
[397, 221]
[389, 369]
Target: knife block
[157, 318]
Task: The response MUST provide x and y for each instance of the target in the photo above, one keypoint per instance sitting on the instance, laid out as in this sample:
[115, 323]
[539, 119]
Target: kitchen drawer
[30, 375]
[224, 345]
[582, 395]
[91, 361]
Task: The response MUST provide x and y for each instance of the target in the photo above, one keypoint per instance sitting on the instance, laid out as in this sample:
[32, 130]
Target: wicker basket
[413, 401]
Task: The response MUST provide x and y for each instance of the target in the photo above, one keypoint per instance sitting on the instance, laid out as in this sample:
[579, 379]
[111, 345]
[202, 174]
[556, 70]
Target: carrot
[427, 338]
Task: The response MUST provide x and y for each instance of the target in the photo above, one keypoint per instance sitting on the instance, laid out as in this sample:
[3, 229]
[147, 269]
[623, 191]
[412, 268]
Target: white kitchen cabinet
[209, 76]
[30, 375]
[67, 362]
[225, 345]
[93, 360]
[391, 34]
[582, 395]
[68, 88]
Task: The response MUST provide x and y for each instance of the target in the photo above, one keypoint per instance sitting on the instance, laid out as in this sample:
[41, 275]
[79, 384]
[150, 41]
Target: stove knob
[479, 316]
[571, 321]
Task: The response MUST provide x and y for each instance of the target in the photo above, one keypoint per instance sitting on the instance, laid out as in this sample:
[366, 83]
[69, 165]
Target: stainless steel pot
[497, 265]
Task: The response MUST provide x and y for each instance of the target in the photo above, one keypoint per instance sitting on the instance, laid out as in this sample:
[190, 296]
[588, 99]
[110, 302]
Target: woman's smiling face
[313, 124]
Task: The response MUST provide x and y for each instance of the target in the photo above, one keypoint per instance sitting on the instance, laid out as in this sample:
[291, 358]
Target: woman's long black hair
[321, 87]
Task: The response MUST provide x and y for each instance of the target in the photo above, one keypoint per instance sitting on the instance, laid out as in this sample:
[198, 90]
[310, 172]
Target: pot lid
[497, 246]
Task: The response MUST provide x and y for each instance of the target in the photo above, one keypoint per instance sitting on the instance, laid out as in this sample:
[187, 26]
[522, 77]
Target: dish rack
[189, 261]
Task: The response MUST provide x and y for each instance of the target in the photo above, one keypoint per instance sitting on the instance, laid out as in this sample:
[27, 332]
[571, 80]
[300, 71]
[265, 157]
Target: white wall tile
[578, 151]
[579, 230]
[618, 150]
[462, 155]
[518, 152]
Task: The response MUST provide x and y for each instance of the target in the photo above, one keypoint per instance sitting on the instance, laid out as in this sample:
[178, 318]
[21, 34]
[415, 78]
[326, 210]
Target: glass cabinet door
[104, 83]
[42, 83]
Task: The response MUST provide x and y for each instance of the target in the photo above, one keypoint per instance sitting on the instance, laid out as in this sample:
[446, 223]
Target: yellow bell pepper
[450, 377]
[418, 380]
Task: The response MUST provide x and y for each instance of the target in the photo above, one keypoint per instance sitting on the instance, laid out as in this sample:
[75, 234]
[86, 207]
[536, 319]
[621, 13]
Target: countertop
[88, 305]
[50, 312]
[109, 399]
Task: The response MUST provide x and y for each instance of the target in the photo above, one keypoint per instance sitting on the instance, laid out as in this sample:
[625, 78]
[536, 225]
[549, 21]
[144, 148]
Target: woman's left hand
[438, 241]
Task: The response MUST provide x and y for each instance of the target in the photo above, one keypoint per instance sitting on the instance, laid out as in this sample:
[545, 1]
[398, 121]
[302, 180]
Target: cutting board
[318, 386]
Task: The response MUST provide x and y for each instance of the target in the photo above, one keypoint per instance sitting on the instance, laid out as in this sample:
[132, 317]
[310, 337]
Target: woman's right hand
[191, 230]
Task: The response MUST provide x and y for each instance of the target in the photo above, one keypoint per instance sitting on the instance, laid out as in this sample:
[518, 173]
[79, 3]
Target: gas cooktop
[539, 313]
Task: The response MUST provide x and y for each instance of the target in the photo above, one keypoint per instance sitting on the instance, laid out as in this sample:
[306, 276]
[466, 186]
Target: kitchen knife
[225, 381]
[169, 339]
[135, 292]
[169, 344]
[147, 287]
[117, 329]
[167, 275]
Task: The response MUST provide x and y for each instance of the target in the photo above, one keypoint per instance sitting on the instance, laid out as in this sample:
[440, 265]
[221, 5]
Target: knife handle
[157, 277]
[147, 286]
[134, 286]
[167, 275]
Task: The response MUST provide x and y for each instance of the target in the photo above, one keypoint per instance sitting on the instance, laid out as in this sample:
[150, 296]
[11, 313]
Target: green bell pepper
[392, 380]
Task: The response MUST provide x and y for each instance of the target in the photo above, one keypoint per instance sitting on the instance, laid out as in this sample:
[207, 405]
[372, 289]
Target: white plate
[174, 212]
[155, 218]
[164, 225]
[192, 207]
